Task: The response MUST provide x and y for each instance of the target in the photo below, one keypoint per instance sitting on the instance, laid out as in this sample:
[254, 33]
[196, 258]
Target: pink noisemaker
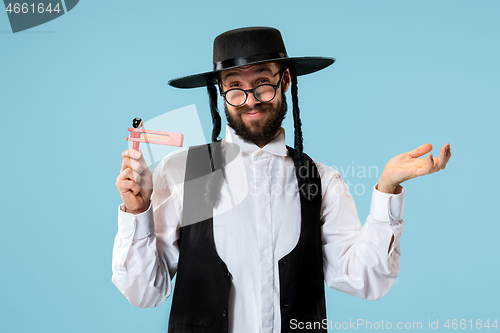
[137, 135]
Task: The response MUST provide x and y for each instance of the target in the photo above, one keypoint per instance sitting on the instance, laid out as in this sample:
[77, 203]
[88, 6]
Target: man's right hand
[135, 182]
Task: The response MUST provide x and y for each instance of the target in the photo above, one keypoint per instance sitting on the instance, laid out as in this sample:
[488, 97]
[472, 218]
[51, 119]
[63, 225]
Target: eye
[263, 81]
[234, 85]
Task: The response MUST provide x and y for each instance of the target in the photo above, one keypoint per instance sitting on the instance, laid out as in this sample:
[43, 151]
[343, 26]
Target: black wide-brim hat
[250, 46]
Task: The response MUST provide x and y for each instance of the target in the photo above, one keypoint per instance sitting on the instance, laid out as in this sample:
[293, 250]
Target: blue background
[407, 73]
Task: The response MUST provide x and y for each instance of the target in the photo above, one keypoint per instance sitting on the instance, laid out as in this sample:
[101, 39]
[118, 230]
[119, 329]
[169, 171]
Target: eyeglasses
[263, 93]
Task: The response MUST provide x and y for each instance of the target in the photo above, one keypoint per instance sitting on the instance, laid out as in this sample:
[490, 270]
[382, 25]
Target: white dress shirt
[256, 223]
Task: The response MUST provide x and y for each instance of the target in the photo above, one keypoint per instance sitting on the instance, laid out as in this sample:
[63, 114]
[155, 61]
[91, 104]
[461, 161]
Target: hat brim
[303, 66]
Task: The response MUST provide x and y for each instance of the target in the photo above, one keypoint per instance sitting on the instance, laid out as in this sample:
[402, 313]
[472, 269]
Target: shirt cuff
[135, 226]
[386, 206]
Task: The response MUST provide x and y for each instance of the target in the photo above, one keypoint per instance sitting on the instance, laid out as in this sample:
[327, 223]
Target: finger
[443, 158]
[127, 185]
[122, 176]
[430, 164]
[122, 184]
[134, 165]
[447, 155]
[135, 188]
[132, 153]
[447, 150]
[135, 155]
[425, 166]
[130, 163]
[128, 173]
[423, 149]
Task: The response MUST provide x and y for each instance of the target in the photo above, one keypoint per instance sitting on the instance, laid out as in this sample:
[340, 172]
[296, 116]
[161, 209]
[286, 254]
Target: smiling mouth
[254, 113]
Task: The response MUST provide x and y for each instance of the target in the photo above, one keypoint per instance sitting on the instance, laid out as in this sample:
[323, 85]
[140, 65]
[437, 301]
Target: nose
[251, 100]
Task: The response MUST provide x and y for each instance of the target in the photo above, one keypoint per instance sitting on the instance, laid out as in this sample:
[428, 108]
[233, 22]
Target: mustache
[257, 107]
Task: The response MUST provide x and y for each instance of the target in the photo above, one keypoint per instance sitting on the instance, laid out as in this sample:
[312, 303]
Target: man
[252, 246]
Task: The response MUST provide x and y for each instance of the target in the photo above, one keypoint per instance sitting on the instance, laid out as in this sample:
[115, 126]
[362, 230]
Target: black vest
[200, 299]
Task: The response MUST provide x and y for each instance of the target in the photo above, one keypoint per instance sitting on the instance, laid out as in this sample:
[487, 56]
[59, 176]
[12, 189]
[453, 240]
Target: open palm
[407, 165]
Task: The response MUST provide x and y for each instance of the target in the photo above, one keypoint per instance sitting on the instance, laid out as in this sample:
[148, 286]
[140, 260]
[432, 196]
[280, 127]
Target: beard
[267, 130]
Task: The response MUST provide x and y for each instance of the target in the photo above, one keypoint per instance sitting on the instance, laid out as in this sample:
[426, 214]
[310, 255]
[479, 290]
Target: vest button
[224, 313]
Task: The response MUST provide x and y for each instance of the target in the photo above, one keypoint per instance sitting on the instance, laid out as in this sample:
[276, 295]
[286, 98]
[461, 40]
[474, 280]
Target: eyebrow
[258, 70]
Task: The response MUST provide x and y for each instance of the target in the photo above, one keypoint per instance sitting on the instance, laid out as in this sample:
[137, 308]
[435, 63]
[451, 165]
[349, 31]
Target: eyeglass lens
[264, 93]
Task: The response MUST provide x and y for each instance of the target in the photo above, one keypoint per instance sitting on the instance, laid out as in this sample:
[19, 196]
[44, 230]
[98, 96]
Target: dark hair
[216, 120]
[298, 140]
[215, 179]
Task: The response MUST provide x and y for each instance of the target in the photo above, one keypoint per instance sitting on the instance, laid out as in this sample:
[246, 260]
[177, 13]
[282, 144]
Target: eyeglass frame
[274, 86]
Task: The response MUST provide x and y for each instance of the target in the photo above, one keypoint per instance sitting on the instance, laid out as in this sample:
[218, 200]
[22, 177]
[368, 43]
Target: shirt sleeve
[362, 261]
[145, 251]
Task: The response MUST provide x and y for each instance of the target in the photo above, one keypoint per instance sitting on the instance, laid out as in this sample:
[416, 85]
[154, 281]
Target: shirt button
[224, 313]
[258, 153]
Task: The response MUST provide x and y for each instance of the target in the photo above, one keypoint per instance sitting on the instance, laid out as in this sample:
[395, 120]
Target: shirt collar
[277, 146]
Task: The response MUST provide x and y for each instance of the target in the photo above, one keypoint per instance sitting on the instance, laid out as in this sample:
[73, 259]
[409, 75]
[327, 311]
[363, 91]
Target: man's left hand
[407, 166]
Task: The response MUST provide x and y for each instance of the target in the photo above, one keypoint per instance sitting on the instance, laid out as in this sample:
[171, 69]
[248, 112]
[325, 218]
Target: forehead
[269, 68]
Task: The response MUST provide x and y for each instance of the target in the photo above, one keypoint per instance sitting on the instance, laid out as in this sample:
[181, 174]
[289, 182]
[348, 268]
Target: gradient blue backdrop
[407, 73]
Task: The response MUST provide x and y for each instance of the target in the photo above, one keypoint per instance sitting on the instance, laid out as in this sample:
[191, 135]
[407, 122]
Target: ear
[287, 79]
